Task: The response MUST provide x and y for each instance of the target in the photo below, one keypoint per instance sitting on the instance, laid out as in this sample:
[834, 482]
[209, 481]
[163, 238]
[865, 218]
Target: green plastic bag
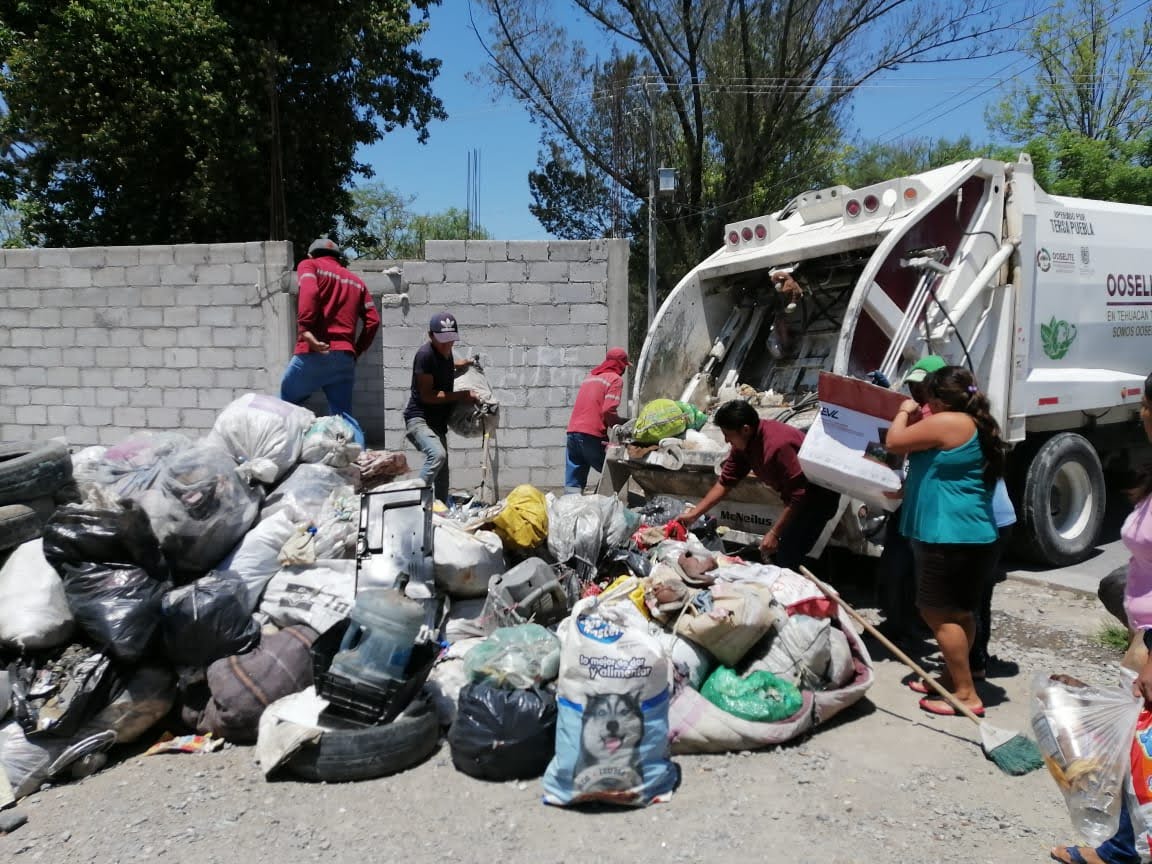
[660, 418]
[693, 416]
[519, 657]
[759, 698]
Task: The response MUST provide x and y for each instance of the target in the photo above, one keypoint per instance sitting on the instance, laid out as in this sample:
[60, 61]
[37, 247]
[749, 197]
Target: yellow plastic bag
[636, 595]
[522, 523]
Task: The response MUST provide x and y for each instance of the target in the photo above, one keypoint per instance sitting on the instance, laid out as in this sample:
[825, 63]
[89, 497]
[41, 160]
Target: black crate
[353, 700]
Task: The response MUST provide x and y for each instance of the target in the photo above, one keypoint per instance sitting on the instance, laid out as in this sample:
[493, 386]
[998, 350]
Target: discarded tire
[30, 470]
[343, 755]
[18, 524]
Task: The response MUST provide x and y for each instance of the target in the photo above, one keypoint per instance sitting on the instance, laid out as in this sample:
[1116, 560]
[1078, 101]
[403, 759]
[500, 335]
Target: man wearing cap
[593, 414]
[434, 371]
[332, 300]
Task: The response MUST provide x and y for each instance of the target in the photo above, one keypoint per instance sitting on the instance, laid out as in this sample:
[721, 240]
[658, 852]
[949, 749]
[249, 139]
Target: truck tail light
[852, 208]
[761, 232]
[746, 233]
[871, 203]
[733, 237]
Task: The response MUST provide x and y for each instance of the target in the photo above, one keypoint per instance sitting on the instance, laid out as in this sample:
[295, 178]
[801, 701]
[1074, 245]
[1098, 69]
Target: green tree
[388, 229]
[864, 164]
[1091, 75]
[1083, 167]
[145, 121]
[744, 97]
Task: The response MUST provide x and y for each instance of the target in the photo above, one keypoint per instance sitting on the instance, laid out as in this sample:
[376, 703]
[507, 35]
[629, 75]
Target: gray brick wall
[99, 342]
[537, 329]
[96, 343]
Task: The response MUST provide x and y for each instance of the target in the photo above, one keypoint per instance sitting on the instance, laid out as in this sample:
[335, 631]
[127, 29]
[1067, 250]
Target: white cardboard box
[844, 448]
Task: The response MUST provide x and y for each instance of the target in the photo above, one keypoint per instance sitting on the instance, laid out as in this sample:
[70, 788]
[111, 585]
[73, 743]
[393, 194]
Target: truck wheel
[1062, 501]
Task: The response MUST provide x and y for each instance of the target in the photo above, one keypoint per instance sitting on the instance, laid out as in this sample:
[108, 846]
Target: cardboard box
[844, 449]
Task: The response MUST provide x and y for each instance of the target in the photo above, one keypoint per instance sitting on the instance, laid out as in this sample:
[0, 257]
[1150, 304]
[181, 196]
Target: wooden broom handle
[887, 643]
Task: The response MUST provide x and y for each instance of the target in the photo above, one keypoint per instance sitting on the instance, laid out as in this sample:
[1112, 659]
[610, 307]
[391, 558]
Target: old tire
[29, 471]
[18, 524]
[1062, 501]
[344, 755]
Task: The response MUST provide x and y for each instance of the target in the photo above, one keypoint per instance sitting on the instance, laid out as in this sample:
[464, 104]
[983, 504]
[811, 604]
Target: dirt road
[884, 783]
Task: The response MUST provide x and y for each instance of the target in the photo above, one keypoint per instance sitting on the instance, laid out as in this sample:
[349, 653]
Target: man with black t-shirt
[434, 371]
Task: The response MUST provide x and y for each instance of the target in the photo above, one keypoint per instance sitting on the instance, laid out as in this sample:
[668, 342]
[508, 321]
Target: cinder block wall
[539, 315]
[96, 343]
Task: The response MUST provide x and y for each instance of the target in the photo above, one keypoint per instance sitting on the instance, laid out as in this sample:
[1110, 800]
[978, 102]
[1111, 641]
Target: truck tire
[1062, 501]
[18, 524]
[29, 471]
[362, 753]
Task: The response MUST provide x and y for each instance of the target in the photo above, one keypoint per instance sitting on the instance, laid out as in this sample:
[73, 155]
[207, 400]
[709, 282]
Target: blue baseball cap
[443, 327]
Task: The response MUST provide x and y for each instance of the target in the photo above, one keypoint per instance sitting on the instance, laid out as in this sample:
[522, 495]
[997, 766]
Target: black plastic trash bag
[206, 620]
[57, 697]
[503, 734]
[114, 575]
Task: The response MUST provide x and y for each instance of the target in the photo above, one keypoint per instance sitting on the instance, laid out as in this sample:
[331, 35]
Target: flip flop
[1074, 856]
[943, 709]
[918, 686]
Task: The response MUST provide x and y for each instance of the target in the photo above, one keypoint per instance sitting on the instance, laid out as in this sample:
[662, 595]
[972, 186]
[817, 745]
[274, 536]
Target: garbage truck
[1048, 300]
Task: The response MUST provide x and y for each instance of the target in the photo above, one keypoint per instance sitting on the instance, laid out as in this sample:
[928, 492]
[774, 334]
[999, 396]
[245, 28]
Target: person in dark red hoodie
[332, 300]
[596, 409]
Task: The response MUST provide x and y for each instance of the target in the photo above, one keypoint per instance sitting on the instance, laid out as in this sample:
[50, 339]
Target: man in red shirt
[332, 300]
[768, 448]
[596, 409]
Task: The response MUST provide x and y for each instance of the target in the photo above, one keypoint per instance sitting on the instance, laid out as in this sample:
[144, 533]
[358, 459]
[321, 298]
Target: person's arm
[371, 319]
[429, 395]
[792, 487]
[717, 492]
[939, 431]
[609, 411]
[308, 307]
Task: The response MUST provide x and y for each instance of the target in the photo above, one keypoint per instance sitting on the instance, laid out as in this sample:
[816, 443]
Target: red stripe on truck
[1048, 400]
[1131, 391]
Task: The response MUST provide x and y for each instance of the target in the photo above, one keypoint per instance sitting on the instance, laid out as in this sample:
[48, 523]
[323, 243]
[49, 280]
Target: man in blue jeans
[434, 371]
[332, 301]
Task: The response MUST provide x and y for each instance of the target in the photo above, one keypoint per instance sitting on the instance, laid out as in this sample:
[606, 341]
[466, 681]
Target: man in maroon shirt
[332, 300]
[768, 448]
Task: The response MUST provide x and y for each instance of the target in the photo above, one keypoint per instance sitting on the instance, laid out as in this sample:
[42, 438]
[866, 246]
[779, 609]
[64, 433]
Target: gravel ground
[883, 782]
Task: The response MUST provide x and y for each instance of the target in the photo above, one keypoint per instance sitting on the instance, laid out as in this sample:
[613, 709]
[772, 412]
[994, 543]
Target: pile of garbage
[183, 588]
[247, 588]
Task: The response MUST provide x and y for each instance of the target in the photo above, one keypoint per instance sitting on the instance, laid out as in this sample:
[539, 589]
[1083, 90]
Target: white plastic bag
[304, 490]
[1085, 736]
[519, 657]
[34, 613]
[448, 678]
[263, 434]
[612, 694]
[582, 526]
[338, 525]
[254, 558]
[319, 595]
[467, 419]
[464, 562]
[331, 441]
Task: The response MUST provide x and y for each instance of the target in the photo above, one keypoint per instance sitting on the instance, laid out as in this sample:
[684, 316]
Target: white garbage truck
[1048, 299]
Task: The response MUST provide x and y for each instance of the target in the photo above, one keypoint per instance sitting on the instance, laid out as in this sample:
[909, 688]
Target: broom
[1009, 751]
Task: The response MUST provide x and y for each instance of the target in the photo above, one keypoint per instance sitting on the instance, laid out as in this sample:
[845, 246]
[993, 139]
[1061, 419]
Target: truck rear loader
[1047, 299]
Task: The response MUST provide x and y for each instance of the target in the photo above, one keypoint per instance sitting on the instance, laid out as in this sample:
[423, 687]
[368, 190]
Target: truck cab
[1042, 297]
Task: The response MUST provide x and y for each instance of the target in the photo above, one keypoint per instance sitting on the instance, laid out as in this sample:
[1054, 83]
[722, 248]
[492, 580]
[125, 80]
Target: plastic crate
[353, 700]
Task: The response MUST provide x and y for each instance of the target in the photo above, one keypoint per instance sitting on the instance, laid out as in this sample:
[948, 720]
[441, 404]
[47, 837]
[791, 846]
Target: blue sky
[943, 100]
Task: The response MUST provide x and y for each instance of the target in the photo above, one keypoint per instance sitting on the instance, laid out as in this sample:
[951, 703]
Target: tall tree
[865, 164]
[146, 121]
[744, 97]
[1090, 73]
[1083, 167]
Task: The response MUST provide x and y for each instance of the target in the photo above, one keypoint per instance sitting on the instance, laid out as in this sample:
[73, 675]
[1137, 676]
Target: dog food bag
[612, 695]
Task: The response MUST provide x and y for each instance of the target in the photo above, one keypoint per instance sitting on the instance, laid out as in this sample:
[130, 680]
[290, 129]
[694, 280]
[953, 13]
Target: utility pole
[651, 204]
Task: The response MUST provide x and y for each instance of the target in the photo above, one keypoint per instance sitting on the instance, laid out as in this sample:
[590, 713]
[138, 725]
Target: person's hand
[315, 344]
[911, 407]
[473, 397]
[770, 543]
[1142, 686]
[686, 518]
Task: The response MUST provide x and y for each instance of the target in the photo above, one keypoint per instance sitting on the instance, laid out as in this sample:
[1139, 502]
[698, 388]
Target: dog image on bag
[610, 738]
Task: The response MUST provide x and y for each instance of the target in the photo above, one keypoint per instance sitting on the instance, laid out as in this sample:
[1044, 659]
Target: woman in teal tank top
[955, 457]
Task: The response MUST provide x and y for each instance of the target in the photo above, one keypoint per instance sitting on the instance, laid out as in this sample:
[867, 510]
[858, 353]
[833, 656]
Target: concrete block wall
[96, 343]
[539, 315]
